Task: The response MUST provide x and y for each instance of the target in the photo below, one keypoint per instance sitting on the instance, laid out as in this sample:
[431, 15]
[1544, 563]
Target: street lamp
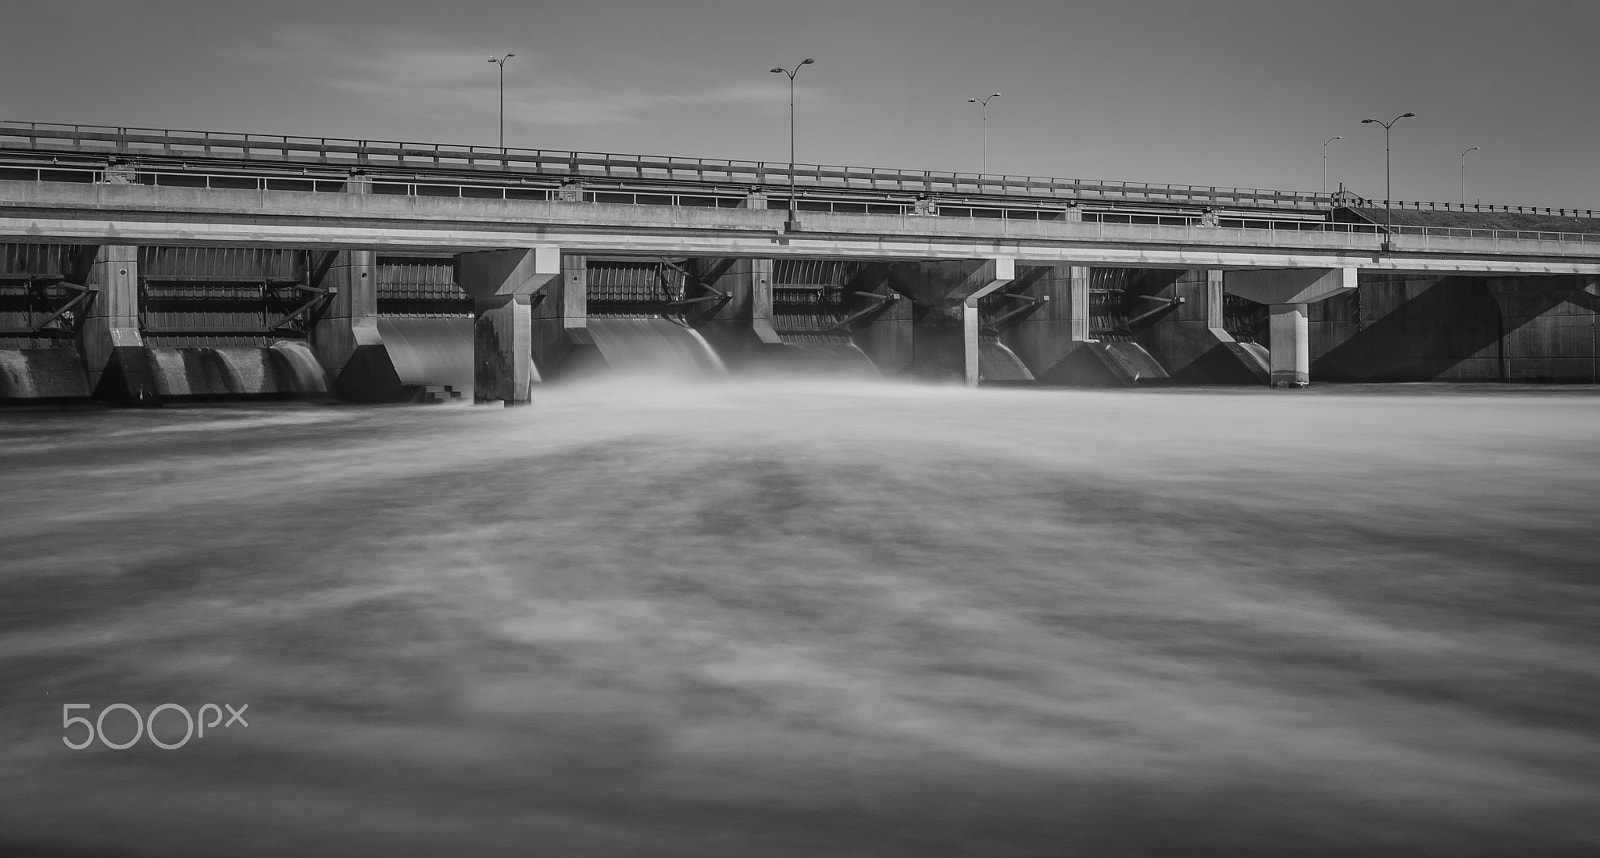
[985, 102]
[1325, 162]
[793, 216]
[502, 63]
[1388, 195]
[1464, 176]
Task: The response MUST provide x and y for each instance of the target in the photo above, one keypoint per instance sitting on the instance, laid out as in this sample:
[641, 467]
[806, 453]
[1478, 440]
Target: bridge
[992, 278]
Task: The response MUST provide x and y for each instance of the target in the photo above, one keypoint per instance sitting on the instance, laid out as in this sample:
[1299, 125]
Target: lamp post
[1388, 194]
[985, 103]
[791, 73]
[1464, 176]
[1325, 162]
[501, 62]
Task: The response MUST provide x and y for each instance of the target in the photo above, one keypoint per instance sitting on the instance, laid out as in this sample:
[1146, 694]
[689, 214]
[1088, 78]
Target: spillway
[430, 352]
[996, 362]
[830, 355]
[653, 345]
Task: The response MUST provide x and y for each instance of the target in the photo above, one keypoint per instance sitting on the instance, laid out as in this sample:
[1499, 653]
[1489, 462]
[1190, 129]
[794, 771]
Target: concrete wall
[1430, 328]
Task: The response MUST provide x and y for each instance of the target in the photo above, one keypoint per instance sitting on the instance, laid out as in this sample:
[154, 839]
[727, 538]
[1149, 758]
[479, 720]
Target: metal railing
[135, 142]
[1111, 225]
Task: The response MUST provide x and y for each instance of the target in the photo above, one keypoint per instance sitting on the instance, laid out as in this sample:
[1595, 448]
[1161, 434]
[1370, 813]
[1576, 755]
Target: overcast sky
[1226, 92]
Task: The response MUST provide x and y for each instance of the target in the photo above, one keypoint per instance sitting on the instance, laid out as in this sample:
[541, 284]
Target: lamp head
[808, 61]
[996, 95]
[1404, 115]
[972, 101]
[779, 71]
[1340, 137]
[1374, 121]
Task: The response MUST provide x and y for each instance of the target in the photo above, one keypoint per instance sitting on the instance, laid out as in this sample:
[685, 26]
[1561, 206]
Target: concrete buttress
[503, 285]
[740, 328]
[346, 339]
[113, 350]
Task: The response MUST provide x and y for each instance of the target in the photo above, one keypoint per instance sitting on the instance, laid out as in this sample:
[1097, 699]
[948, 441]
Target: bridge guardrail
[132, 142]
[1109, 224]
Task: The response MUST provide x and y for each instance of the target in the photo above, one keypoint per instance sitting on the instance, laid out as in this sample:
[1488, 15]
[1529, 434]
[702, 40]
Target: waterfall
[302, 369]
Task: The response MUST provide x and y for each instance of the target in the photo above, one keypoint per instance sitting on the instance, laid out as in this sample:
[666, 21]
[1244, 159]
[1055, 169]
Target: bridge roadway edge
[132, 214]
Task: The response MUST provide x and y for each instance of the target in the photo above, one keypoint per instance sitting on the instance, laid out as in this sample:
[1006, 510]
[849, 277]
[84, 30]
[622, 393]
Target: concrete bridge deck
[153, 214]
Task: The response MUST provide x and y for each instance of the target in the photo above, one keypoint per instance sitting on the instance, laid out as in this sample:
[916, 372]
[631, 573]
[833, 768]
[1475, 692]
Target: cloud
[429, 75]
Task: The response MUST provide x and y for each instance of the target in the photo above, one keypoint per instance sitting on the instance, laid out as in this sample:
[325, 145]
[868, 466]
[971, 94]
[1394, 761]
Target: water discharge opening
[654, 346]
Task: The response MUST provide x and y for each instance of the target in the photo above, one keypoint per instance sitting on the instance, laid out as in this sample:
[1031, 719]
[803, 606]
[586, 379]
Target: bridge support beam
[1287, 292]
[113, 350]
[503, 285]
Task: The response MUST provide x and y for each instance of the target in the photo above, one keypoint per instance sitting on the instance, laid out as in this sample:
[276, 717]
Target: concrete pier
[346, 339]
[503, 284]
[113, 350]
[945, 329]
[990, 276]
[739, 329]
[1287, 292]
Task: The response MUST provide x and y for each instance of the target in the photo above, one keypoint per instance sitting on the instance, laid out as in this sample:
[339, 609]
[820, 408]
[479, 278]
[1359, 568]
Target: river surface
[649, 618]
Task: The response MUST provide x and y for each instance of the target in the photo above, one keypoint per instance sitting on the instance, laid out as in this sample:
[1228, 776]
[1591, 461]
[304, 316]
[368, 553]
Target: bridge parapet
[130, 142]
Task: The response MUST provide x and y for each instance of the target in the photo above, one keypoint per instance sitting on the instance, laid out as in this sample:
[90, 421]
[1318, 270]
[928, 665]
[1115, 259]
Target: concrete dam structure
[142, 266]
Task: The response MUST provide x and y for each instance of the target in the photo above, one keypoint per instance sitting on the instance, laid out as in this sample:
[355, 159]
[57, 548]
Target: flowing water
[652, 618]
[656, 345]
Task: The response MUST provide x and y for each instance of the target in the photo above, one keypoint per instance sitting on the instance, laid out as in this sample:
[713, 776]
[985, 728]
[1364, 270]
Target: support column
[1291, 346]
[1079, 303]
[990, 276]
[1287, 292]
[502, 284]
[113, 350]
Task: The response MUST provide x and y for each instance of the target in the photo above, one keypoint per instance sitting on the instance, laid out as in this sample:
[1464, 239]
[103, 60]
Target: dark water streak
[642, 618]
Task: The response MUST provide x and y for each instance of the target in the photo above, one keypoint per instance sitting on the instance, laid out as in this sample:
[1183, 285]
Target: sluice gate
[1117, 309]
[817, 304]
[425, 323]
[643, 316]
[42, 299]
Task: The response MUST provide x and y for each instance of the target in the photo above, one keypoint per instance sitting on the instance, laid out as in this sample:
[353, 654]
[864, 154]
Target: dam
[142, 266]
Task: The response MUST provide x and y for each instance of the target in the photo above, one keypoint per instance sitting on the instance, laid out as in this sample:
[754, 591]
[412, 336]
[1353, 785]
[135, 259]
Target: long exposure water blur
[811, 618]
